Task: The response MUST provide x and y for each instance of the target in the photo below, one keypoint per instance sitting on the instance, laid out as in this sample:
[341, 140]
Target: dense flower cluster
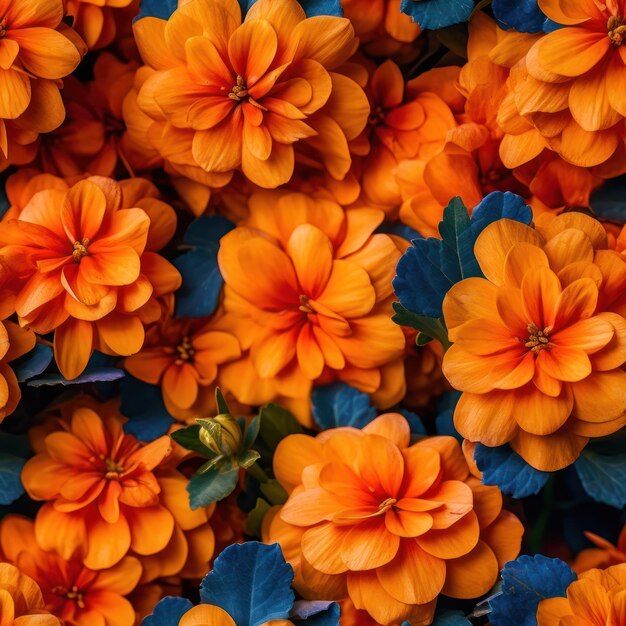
[312, 311]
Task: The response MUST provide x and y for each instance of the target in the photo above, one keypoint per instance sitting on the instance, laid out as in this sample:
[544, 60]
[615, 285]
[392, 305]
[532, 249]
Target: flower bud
[221, 434]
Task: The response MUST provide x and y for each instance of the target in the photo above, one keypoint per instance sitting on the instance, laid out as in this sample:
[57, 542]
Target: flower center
[3, 27]
[80, 249]
[185, 351]
[387, 504]
[240, 92]
[616, 30]
[538, 339]
[72, 594]
[305, 307]
[377, 116]
[114, 469]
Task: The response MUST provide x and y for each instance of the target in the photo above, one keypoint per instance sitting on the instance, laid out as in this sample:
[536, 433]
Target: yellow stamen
[185, 351]
[616, 30]
[240, 92]
[3, 27]
[114, 469]
[538, 339]
[305, 307]
[387, 504]
[80, 249]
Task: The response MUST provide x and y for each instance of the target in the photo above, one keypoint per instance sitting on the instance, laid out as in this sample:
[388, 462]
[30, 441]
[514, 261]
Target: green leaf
[189, 438]
[212, 486]
[422, 339]
[210, 464]
[274, 491]
[432, 326]
[248, 458]
[222, 407]
[251, 432]
[254, 521]
[276, 424]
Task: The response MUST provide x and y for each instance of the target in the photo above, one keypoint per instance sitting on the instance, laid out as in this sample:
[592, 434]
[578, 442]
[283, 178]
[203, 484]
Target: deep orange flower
[603, 555]
[21, 602]
[101, 496]
[597, 597]
[307, 291]
[95, 21]
[565, 85]
[14, 342]
[85, 257]
[72, 592]
[182, 356]
[406, 122]
[228, 95]
[389, 524]
[93, 138]
[382, 29]
[36, 50]
[539, 344]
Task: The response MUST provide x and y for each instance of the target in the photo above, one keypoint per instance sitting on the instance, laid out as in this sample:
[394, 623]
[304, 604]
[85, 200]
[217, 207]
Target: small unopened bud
[221, 434]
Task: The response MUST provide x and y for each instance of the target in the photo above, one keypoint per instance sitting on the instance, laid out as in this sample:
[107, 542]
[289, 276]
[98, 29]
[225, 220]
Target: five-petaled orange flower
[308, 292]
[101, 495]
[85, 257]
[597, 597]
[76, 594]
[228, 95]
[36, 50]
[21, 601]
[182, 356]
[540, 342]
[389, 524]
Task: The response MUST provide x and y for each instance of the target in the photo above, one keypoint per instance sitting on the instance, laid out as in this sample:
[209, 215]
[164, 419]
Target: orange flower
[597, 597]
[216, 616]
[565, 85]
[95, 21]
[101, 495]
[36, 50]
[383, 31]
[603, 555]
[93, 138]
[307, 292]
[540, 342]
[14, 342]
[72, 592]
[182, 356]
[389, 524]
[405, 122]
[227, 95]
[88, 268]
[21, 599]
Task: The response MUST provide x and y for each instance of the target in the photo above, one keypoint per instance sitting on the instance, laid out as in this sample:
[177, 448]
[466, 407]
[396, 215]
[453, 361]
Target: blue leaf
[156, 8]
[143, 405]
[432, 14]
[420, 283]
[525, 582]
[415, 422]
[211, 486]
[202, 282]
[311, 7]
[396, 228]
[167, 611]
[251, 582]
[99, 369]
[11, 487]
[498, 205]
[506, 469]
[340, 404]
[33, 363]
[524, 16]
[315, 612]
[603, 477]
[451, 618]
[607, 201]
[444, 422]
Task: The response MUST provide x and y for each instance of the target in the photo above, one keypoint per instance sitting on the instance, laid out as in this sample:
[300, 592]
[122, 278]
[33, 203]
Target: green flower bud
[221, 434]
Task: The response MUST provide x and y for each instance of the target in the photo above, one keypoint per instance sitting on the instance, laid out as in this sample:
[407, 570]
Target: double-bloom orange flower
[387, 523]
[85, 267]
[226, 95]
[540, 342]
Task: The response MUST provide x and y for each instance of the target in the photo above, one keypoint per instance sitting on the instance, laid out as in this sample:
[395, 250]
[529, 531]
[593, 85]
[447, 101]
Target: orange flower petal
[471, 575]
